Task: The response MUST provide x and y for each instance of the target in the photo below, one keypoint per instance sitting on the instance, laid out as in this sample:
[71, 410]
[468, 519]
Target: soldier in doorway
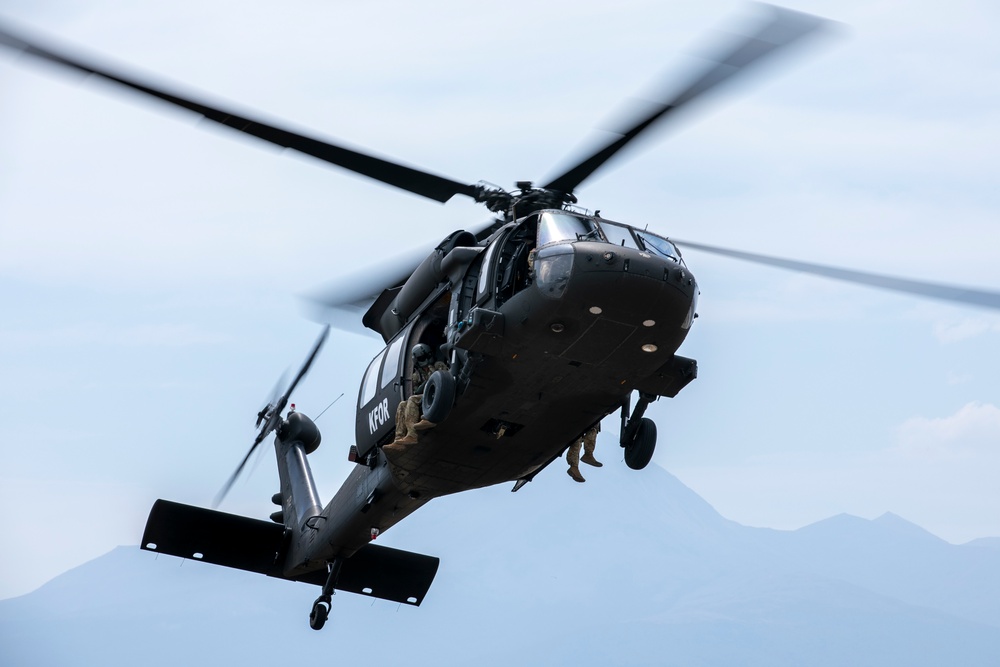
[588, 441]
[409, 420]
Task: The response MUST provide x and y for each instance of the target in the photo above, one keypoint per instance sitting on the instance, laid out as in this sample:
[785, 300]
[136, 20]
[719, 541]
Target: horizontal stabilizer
[214, 537]
[259, 546]
[389, 574]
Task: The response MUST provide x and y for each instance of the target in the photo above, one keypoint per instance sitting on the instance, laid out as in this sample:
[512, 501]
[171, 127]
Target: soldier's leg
[589, 443]
[412, 415]
[406, 414]
[398, 446]
[400, 420]
[573, 459]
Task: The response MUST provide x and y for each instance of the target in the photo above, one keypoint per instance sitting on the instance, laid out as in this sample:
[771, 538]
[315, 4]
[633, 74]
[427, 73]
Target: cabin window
[390, 371]
[555, 226]
[618, 235]
[370, 384]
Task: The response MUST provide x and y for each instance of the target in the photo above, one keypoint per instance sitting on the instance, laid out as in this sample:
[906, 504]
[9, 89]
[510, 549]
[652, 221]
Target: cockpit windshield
[619, 235]
[555, 226]
[561, 226]
[658, 245]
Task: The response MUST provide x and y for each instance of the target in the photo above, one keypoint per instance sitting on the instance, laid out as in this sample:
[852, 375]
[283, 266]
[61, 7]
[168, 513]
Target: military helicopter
[548, 318]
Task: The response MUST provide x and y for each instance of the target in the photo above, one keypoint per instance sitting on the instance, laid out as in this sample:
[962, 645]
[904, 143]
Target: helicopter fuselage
[545, 336]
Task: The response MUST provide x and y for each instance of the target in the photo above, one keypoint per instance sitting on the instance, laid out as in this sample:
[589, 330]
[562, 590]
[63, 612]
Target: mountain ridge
[631, 568]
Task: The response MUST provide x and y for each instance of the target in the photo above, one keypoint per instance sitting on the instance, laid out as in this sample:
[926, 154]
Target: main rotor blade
[343, 302]
[414, 180]
[783, 29]
[951, 293]
[355, 291]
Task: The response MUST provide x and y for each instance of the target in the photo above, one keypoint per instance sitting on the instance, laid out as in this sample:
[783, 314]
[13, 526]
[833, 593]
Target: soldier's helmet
[422, 355]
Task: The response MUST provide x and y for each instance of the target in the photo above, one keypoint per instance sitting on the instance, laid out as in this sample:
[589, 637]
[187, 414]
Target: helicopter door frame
[429, 327]
[512, 272]
[486, 288]
[387, 380]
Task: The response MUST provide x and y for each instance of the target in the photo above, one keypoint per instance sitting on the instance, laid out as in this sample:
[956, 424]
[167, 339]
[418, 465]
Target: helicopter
[549, 318]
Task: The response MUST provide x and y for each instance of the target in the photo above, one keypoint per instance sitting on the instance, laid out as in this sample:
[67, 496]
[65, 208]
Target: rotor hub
[523, 201]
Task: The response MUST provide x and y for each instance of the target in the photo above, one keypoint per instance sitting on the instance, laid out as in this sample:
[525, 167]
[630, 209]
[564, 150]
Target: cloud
[954, 331]
[940, 472]
[975, 428]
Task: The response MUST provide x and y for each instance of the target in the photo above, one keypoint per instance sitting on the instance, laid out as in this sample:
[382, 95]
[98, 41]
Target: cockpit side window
[556, 226]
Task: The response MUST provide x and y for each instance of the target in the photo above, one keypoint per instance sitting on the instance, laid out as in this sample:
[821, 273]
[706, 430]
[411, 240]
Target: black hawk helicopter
[543, 321]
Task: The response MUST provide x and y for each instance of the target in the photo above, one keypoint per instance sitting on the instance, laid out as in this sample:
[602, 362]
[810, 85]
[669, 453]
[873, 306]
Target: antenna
[328, 407]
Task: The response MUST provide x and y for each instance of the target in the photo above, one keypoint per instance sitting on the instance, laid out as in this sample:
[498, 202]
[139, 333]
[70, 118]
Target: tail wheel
[439, 396]
[639, 452]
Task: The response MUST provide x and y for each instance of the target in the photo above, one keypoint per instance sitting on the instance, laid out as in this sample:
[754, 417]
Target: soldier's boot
[400, 443]
[573, 459]
[589, 444]
[423, 425]
[394, 448]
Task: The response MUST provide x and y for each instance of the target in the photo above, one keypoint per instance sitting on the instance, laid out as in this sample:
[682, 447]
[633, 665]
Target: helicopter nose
[640, 280]
[608, 301]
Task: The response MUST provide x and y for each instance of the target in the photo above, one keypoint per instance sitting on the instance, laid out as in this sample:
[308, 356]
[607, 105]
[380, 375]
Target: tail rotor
[269, 418]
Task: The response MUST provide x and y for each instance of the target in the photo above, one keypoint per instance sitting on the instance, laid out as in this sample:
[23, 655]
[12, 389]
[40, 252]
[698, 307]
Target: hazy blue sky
[149, 265]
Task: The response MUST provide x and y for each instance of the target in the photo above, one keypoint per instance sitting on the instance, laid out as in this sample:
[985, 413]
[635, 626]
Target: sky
[151, 265]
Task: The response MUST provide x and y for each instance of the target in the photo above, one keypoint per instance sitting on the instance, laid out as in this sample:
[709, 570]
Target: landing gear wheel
[439, 396]
[320, 612]
[640, 450]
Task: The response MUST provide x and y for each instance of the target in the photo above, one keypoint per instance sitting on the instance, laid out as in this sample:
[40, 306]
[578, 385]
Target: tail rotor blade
[317, 346]
[219, 497]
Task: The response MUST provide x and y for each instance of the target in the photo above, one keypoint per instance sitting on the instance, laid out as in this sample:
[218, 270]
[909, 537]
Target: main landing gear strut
[638, 433]
[321, 607]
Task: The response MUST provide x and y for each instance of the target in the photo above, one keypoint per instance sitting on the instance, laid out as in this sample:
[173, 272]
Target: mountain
[632, 568]
[985, 543]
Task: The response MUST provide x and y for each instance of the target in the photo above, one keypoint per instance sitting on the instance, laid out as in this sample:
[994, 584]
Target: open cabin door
[387, 382]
